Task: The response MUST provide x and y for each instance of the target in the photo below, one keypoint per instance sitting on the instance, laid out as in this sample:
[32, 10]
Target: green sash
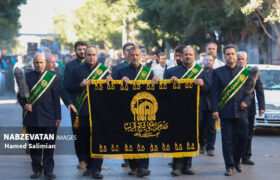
[40, 87]
[96, 74]
[143, 73]
[193, 72]
[232, 88]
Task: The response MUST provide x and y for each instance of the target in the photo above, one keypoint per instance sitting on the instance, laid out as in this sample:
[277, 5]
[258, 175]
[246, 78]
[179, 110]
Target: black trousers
[182, 163]
[77, 140]
[234, 137]
[207, 131]
[139, 163]
[37, 153]
[248, 148]
[84, 142]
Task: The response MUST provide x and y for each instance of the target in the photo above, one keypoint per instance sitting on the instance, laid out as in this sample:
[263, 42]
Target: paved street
[266, 154]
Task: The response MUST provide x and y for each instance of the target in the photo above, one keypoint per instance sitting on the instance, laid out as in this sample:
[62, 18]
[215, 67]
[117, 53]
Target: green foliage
[9, 24]
[192, 21]
[97, 21]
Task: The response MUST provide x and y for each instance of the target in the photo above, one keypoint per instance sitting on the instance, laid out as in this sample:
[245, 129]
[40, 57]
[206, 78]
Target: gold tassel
[24, 130]
[217, 124]
[76, 123]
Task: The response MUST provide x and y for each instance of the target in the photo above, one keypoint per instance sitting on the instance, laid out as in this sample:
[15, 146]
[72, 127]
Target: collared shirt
[159, 71]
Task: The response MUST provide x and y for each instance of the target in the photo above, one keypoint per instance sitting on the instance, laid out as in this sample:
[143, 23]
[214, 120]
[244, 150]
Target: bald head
[188, 56]
[39, 62]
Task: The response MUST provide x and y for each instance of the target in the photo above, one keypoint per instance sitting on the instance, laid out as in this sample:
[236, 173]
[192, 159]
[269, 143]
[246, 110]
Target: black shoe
[188, 171]
[248, 162]
[176, 172]
[210, 153]
[125, 164]
[97, 175]
[228, 172]
[35, 175]
[133, 172]
[143, 172]
[87, 173]
[238, 167]
[49, 176]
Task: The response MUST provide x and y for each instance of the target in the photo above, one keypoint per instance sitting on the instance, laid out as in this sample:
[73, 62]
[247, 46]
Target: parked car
[270, 77]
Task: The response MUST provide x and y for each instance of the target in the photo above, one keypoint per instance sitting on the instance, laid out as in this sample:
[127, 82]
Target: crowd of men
[42, 113]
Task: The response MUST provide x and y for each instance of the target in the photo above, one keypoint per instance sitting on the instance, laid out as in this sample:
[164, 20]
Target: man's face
[208, 61]
[126, 51]
[188, 56]
[39, 63]
[242, 60]
[230, 56]
[211, 49]
[80, 52]
[178, 58]
[135, 57]
[51, 63]
[162, 60]
[91, 56]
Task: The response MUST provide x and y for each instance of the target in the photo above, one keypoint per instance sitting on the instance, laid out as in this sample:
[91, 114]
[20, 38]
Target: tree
[98, 22]
[191, 21]
[267, 14]
[9, 22]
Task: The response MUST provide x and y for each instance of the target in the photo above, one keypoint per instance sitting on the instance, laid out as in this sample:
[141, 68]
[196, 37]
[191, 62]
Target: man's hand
[215, 115]
[174, 78]
[84, 83]
[243, 105]
[261, 111]
[109, 78]
[28, 107]
[57, 122]
[71, 106]
[199, 82]
[125, 79]
[155, 79]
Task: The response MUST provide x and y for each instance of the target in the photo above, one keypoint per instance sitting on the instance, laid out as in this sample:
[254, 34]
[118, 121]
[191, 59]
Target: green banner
[144, 73]
[232, 88]
[193, 72]
[96, 74]
[40, 87]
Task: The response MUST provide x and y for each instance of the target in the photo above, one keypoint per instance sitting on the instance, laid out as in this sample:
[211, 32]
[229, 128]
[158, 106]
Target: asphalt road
[17, 165]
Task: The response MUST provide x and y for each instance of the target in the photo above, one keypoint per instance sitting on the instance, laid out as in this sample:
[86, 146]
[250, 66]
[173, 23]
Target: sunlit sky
[36, 15]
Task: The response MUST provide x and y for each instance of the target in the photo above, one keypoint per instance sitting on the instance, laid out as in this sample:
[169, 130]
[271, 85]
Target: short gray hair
[241, 53]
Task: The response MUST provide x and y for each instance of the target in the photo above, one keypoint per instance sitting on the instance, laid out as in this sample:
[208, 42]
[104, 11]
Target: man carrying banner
[136, 71]
[90, 70]
[188, 70]
[42, 115]
[80, 47]
[126, 62]
[258, 88]
[229, 102]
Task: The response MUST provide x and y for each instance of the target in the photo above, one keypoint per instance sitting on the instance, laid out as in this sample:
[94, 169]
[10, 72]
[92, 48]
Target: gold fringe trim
[145, 155]
[217, 124]
[24, 130]
[165, 81]
[76, 123]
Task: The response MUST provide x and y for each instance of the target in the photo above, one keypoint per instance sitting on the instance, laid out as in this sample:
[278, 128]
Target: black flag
[141, 120]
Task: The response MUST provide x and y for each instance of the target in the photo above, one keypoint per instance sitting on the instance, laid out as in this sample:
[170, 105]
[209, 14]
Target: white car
[270, 77]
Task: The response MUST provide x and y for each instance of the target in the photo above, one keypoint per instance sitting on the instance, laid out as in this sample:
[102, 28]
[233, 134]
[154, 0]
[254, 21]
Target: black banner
[142, 120]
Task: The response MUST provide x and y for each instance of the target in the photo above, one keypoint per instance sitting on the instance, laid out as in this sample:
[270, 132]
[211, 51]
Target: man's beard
[80, 57]
[179, 63]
